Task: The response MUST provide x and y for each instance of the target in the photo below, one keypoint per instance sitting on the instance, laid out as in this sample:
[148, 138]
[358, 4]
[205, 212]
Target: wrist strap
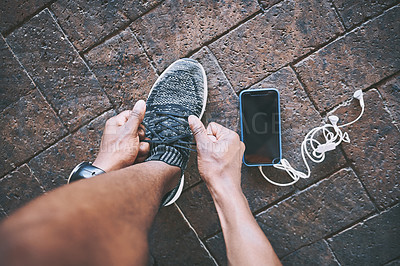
[84, 170]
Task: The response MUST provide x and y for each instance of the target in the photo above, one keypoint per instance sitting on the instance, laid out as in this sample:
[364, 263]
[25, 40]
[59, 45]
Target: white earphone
[333, 136]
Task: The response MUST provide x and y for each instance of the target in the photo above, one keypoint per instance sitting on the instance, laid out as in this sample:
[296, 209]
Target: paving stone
[355, 61]
[300, 27]
[314, 254]
[222, 106]
[87, 22]
[58, 70]
[308, 216]
[173, 242]
[395, 262]
[372, 242]
[14, 12]
[258, 191]
[197, 203]
[192, 175]
[298, 117]
[14, 81]
[217, 248]
[222, 102]
[18, 188]
[53, 166]
[27, 127]
[268, 3]
[134, 8]
[269, 41]
[356, 11]
[374, 148]
[123, 69]
[3, 214]
[390, 92]
[177, 27]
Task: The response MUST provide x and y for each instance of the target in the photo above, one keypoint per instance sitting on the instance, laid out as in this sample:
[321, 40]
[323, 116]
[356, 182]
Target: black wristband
[84, 170]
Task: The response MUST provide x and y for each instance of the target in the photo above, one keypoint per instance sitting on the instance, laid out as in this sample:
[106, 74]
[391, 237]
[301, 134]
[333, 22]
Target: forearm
[246, 244]
[91, 222]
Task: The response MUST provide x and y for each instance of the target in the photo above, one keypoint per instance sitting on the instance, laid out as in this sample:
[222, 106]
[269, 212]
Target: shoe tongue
[170, 108]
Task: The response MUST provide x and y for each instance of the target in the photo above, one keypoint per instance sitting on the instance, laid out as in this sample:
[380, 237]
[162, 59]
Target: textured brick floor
[68, 65]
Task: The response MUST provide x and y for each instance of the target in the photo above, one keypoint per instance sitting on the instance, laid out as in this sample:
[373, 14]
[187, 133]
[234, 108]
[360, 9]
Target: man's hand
[219, 155]
[121, 144]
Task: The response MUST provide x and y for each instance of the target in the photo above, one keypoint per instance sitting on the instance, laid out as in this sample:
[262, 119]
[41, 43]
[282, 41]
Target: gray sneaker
[180, 91]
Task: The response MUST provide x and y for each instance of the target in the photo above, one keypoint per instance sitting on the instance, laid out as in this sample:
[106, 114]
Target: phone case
[279, 116]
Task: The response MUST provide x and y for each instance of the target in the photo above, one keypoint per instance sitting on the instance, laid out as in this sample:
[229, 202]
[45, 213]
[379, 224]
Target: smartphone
[260, 123]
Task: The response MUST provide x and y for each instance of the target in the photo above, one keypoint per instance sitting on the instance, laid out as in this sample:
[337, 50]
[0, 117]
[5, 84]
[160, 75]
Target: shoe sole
[181, 183]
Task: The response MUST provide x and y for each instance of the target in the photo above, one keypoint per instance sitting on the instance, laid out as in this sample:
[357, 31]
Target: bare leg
[100, 221]
[105, 220]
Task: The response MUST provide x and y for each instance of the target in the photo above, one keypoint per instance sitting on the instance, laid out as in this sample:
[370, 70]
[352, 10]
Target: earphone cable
[332, 135]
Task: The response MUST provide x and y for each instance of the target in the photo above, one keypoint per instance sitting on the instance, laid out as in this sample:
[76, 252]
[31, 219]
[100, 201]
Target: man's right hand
[219, 155]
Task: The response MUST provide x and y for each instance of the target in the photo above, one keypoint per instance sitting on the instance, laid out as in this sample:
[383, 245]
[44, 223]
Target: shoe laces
[170, 120]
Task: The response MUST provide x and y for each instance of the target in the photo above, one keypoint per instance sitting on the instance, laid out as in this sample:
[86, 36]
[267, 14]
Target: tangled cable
[332, 135]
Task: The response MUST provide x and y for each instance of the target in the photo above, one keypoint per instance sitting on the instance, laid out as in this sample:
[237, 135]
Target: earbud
[325, 147]
[333, 119]
[358, 94]
[313, 149]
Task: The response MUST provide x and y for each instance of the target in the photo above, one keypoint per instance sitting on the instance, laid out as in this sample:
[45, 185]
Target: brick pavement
[68, 65]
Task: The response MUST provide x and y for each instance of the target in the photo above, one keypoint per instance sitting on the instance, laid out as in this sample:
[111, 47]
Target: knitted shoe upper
[178, 93]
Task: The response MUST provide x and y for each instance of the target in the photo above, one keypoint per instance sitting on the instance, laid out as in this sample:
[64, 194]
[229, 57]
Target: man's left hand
[122, 142]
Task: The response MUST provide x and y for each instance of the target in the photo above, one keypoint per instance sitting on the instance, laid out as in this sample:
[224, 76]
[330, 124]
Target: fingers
[121, 118]
[141, 132]
[215, 130]
[136, 117]
[242, 148]
[198, 130]
[144, 149]
[210, 134]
